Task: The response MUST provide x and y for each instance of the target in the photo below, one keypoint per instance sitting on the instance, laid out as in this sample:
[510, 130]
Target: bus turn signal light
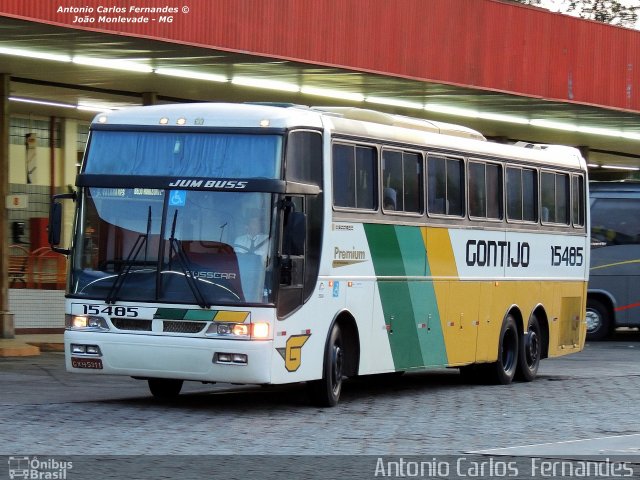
[260, 330]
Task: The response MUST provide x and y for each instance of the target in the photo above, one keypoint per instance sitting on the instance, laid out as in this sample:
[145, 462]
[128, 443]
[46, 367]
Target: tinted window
[402, 181]
[522, 198]
[446, 185]
[555, 197]
[485, 190]
[304, 157]
[613, 222]
[578, 201]
[354, 176]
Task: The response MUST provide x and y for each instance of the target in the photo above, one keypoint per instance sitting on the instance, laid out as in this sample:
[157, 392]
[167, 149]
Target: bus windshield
[214, 155]
[174, 246]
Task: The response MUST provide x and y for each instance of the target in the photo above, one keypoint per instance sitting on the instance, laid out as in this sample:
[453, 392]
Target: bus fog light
[239, 358]
[222, 357]
[224, 329]
[93, 350]
[231, 358]
[78, 348]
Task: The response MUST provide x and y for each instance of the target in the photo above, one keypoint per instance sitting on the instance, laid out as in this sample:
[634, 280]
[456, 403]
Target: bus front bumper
[185, 358]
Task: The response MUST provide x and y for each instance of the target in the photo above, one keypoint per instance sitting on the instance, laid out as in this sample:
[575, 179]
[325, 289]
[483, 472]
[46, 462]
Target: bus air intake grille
[129, 324]
[183, 327]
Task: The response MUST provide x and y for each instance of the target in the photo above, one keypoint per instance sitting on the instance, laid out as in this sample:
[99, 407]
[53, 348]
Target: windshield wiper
[175, 246]
[140, 242]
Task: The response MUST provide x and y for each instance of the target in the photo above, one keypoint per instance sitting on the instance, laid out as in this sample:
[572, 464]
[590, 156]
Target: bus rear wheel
[326, 392]
[598, 320]
[530, 351]
[502, 371]
[164, 388]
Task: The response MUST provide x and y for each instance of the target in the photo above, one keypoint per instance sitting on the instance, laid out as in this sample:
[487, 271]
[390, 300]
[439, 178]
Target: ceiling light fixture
[630, 135]
[176, 72]
[620, 167]
[112, 63]
[41, 102]
[498, 117]
[19, 52]
[599, 131]
[539, 122]
[89, 107]
[394, 102]
[266, 84]
[338, 94]
[460, 112]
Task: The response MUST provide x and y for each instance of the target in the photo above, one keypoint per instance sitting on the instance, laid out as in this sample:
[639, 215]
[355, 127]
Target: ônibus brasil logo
[38, 469]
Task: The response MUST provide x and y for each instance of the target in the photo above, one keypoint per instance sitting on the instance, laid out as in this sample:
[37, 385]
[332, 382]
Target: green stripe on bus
[409, 306]
[423, 297]
[170, 313]
[184, 314]
[202, 315]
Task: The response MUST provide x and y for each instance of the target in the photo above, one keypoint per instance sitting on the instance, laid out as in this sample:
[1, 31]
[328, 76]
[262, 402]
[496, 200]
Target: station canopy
[81, 72]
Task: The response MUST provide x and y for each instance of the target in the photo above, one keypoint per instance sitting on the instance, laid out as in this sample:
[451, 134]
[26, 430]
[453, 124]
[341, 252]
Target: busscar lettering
[214, 275]
[491, 253]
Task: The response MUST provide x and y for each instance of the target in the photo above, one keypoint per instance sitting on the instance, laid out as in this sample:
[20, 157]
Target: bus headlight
[259, 330]
[85, 322]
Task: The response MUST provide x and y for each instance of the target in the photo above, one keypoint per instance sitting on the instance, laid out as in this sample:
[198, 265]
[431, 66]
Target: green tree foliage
[614, 12]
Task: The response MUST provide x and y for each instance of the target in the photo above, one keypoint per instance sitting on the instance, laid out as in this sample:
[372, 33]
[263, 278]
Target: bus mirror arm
[285, 269]
[55, 222]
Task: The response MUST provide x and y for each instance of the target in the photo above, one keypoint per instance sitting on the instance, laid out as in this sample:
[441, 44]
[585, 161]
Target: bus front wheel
[165, 389]
[326, 392]
[598, 320]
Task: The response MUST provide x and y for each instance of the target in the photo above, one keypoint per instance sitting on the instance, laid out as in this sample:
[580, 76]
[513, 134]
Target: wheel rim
[508, 351]
[336, 369]
[532, 348]
[594, 321]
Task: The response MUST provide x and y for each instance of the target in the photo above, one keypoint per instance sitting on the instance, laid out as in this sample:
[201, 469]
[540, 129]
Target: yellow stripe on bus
[442, 263]
[232, 317]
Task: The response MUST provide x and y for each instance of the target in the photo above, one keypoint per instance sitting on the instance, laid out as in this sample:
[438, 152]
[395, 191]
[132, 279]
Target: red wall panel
[486, 44]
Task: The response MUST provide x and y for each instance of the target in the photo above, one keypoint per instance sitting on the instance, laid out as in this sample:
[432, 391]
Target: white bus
[273, 244]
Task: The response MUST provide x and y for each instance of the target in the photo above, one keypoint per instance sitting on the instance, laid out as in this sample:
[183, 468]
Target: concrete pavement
[31, 345]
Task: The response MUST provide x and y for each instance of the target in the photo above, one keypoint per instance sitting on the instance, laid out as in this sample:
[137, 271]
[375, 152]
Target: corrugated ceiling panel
[482, 43]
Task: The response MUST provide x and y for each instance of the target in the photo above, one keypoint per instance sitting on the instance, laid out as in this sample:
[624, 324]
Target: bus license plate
[93, 363]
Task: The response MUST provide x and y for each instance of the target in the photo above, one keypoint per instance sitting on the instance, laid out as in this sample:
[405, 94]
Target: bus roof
[345, 121]
[615, 186]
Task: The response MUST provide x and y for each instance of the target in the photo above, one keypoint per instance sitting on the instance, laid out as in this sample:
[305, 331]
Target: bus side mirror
[55, 222]
[295, 234]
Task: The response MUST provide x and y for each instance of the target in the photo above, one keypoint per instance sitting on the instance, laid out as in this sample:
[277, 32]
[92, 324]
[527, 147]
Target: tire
[503, 370]
[326, 392]
[598, 320]
[530, 351]
[165, 389]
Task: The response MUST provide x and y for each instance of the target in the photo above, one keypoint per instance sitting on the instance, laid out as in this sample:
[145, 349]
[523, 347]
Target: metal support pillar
[149, 98]
[7, 328]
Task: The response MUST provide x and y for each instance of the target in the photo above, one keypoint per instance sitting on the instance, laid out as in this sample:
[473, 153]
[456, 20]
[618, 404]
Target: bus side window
[522, 196]
[354, 176]
[578, 201]
[446, 185]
